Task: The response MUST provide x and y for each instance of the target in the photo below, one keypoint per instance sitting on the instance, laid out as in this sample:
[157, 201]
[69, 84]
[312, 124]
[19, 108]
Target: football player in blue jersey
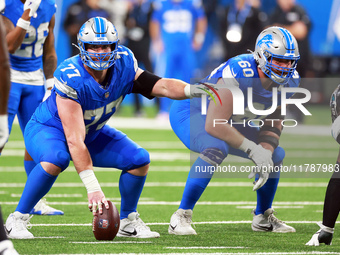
[29, 26]
[70, 124]
[177, 29]
[331, 207]
[6, 246]
[269, 68]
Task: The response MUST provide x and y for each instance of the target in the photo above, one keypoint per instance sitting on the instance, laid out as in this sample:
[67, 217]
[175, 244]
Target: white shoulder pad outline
[228, 77]
[63, 87]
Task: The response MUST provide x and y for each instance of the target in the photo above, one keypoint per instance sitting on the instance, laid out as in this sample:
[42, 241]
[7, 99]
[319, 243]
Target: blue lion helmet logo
[267, 40]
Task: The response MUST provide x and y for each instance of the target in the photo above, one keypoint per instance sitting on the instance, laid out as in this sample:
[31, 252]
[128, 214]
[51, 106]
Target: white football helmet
[276, 43]
[97, 31]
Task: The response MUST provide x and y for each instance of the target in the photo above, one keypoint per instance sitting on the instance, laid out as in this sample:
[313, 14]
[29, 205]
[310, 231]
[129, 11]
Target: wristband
[90, 181]
[24, 24]
[187, 91]
[49, 83]
[246, 145]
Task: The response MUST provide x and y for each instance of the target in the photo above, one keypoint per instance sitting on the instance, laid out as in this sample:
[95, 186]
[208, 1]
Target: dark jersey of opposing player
[98, 102]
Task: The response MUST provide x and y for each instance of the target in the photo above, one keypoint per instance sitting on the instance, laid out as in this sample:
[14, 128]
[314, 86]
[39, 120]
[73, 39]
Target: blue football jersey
[177, 20]
[241, 71]
[28, 57]
[98, 103]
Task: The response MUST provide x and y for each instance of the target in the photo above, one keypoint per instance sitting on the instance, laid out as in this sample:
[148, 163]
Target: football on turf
[105, 226]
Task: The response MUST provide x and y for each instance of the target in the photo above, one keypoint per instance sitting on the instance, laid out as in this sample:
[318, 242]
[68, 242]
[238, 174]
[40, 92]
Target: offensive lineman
[271, 66]
[71, 124]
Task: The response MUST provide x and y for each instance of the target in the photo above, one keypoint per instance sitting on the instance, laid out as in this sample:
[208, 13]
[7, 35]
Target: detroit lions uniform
[108, 147]
[27, 88]
[189, 124]
[98, 104]
[177, 24]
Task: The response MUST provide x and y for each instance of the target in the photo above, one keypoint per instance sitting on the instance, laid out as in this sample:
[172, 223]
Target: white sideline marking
[178, 202]
[174, 184]
[167, 223]
[276, 207]
[205, 247]
[106, 242]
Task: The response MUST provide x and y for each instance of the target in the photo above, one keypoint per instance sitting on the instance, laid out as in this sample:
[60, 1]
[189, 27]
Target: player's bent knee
[59, 158]
[213, 156]
[140, 158]
[51, 168]
[278, 155]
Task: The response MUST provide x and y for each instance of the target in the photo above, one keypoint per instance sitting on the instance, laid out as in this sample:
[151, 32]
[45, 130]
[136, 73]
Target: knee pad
[278, 155]
[140, 158]
[213, 156]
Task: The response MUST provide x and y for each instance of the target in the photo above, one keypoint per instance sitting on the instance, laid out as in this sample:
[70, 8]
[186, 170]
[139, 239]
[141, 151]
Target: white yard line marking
[72, 170]
[112, 242]
[178, 202]
[216, 253]
[48, 237]
[167, 223]
[171, 156]
[53, 195]
[276, 207]
[173, 184]
[179, 145]
[205, 247]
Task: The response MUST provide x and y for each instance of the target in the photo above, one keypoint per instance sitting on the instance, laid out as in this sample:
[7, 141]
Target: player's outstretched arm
[151, 85]
[71, 116]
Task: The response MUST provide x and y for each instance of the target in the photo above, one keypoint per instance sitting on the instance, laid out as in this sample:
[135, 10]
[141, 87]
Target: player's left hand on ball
[33, 5]
[96, 200]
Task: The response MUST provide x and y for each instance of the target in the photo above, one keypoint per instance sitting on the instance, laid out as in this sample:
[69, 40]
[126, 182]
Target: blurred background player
[6, 246]
[294, 18]
[88, 89]
[177, 30]
[331, 206]
[270, 66]
[77, 14]
[30, 40]
[138, 40]
[240, 24]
